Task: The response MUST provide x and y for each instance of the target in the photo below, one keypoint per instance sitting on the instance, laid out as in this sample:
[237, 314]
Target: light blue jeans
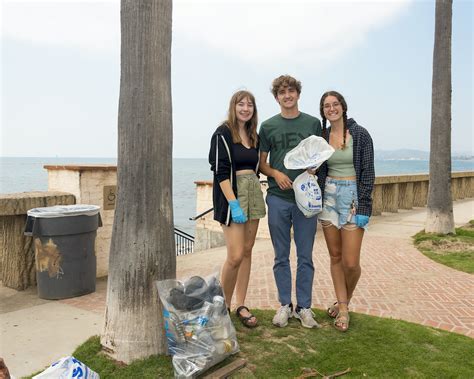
[283, 214]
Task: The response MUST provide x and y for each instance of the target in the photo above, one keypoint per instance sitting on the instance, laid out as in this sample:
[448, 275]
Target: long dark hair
[341, 100]
[250, 125]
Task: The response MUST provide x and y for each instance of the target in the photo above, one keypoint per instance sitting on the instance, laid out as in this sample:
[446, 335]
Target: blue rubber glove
[361, 220]
[238, 215]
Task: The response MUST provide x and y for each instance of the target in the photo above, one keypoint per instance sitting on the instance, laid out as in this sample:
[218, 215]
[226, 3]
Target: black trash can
[64, 244]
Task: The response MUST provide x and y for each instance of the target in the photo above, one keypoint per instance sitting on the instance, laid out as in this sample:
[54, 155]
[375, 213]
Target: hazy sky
[61, 69]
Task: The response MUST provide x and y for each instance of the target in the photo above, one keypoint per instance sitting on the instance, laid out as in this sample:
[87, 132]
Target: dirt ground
[451, 244]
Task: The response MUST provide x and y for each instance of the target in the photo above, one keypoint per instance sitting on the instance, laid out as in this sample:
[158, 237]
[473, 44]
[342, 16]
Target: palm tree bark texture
[142, 247]
[440, 204]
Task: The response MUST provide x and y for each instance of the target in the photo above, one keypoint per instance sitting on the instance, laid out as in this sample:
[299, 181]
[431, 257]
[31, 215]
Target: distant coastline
[453, 158]
[411, 154]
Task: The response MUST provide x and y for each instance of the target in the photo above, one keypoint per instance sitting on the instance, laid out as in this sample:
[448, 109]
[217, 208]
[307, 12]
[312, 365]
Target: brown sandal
[333, 310]
[246, 320]
[341, 321]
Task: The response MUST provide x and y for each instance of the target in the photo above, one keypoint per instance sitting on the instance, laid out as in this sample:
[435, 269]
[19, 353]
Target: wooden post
[390, 198]
[459, 188]
[377, 200]
[420, 193]
[405, 195]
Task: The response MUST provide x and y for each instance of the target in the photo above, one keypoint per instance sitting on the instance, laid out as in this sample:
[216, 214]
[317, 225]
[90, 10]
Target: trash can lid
[64, 211]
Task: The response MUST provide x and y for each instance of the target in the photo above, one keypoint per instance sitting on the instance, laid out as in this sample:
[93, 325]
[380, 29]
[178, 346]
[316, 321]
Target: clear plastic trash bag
[198, 327]
[67, 368]
[310, 153]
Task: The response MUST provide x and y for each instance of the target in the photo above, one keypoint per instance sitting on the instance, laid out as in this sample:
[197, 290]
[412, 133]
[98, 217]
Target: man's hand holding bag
[308, 155]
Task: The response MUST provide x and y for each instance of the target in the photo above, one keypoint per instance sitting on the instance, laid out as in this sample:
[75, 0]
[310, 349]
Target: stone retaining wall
[96, 184]
[91, 184]
[391, 193]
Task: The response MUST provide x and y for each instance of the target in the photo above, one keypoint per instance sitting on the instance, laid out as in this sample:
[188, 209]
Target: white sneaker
[282, 315]
[306, 316]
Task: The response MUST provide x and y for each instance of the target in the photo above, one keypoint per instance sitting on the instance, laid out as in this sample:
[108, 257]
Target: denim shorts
[250, 195]
[340, 196]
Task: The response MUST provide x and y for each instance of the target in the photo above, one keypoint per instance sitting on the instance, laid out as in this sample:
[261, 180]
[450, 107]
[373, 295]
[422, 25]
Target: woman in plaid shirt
[346, 181]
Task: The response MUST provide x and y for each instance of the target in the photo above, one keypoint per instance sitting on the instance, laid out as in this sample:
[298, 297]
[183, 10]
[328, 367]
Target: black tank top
[245, 159]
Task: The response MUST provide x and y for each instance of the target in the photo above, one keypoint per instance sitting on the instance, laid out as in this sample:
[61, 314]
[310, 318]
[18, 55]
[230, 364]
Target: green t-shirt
[278, 136]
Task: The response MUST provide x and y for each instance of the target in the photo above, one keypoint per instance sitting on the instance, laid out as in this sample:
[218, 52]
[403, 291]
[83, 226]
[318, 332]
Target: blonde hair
[250, 125]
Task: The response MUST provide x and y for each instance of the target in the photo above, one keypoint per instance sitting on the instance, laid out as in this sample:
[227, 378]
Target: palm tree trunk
[440, 205]
[142, 248]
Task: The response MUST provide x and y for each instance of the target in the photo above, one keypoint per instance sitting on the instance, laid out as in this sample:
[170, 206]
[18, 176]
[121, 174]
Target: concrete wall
[87, 183]
[390, 194]
[209, 232]
[65, 180]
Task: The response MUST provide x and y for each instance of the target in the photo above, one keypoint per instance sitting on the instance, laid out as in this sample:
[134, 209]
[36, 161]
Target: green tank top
[341, 163]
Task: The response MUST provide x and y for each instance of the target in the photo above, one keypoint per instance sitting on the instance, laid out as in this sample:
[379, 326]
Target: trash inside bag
[308, 194]
[67, 368]
[310, 153]
[198, 328]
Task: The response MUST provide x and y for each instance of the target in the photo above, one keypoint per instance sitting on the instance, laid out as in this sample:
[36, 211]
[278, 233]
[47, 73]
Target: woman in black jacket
[237, 196]
[346, 180]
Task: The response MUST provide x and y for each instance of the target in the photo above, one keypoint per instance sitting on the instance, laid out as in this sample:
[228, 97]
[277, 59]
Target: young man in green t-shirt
[278, 135]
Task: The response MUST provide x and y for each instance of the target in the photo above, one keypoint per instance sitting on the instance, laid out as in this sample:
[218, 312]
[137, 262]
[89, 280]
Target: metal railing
[201, 214]
[210, 209]
[184, 242]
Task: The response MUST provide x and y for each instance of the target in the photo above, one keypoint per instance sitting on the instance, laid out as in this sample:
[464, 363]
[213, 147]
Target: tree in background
[440, 204]
[142, 249]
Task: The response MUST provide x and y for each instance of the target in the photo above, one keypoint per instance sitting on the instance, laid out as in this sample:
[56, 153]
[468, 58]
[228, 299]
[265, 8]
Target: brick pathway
[397, 282]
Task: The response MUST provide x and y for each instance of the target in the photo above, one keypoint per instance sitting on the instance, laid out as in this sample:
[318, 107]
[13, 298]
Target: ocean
[28, 174]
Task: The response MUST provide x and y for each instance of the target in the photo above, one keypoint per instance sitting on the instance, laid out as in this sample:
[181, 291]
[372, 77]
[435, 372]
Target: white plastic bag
[67, 368]
[198, 328]
[310, 153]
[308, 194]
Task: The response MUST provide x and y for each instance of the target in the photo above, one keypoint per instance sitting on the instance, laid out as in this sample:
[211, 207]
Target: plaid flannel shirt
[363, 158]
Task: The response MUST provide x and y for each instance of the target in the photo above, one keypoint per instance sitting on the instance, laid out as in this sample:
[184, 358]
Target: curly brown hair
[285, 81]
[250, 125]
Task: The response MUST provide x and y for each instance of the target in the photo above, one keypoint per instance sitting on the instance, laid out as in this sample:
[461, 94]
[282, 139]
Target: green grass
[455, 251]
[373, 347]
[460, 261]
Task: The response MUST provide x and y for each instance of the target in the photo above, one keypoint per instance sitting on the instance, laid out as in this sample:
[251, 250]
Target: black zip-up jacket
[363, 157]
[223, 165]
